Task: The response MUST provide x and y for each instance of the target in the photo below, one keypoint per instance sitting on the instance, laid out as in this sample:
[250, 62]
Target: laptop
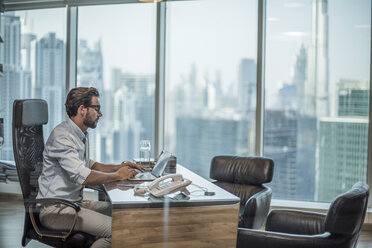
[157, 171]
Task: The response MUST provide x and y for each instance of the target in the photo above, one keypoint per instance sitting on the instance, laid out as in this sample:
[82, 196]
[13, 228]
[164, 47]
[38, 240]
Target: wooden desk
[201, 221]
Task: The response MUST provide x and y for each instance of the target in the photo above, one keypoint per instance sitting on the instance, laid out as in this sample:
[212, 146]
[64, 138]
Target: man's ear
[81, 110]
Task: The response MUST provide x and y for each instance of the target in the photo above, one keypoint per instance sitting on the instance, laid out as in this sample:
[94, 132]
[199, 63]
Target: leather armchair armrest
[50, 201]
[256, 209]
[295, 222]
[249, 238]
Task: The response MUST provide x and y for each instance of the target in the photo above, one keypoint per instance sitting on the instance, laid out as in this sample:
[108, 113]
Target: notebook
[157, 171]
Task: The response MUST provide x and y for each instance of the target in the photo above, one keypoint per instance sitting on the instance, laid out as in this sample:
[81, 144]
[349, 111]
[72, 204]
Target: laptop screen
[161, 163]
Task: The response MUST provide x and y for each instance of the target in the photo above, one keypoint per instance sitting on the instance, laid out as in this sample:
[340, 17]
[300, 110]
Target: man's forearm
[107, 168]
[97, 177]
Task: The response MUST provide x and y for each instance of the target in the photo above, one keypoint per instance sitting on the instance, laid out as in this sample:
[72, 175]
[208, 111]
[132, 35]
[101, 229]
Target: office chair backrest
[346, 213]
[28, 142]
[242, 170]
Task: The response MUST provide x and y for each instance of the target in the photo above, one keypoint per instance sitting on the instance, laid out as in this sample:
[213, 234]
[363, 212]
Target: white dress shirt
[66, 163]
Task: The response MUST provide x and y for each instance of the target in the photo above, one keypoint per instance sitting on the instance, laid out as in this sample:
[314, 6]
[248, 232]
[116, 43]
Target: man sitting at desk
[67, 168]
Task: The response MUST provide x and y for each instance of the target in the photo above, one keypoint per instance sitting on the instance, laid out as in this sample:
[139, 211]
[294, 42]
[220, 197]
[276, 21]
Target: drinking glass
[145, 148]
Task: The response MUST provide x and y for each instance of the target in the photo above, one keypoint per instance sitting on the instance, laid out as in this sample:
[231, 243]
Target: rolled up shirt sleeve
[91, 163]
[65, 151]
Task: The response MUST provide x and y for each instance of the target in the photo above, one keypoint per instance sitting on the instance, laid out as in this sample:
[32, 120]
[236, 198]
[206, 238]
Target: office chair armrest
[295, 222]
[50, 201]
[30, 204]
[102, 192]
[256, 209]
[250, 238]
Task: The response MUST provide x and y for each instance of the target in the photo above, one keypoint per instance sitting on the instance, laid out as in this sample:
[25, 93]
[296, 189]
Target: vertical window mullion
[160, 77]
[260, 76]
[71, 47]
[369, 157]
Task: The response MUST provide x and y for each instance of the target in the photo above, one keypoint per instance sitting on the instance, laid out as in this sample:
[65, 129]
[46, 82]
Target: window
[34, 65]
[210, 83]
[117, 57]
[317, 96]
[316, 107]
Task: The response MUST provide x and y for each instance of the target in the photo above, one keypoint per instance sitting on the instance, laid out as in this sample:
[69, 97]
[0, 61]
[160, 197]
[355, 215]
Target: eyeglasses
[97, 108]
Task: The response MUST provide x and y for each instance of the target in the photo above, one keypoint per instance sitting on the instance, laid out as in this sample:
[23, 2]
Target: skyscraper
[353, 98]
[247, 84]
[200, 137]
[49, 78]
[344, 141]
[292, 150]
[90, 74]
[342, 155]
[316, 93]
[11, 80]
[90, 65]
[133, 112]
[280, 139]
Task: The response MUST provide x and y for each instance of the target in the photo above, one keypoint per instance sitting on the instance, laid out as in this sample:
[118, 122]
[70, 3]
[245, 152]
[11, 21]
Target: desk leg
[202, 226]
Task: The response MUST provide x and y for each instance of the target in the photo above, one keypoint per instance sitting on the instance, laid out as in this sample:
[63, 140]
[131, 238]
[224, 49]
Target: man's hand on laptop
[133, 165]
[126, 172]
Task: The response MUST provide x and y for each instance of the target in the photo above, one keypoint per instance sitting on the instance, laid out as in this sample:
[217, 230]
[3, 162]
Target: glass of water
[145, 148]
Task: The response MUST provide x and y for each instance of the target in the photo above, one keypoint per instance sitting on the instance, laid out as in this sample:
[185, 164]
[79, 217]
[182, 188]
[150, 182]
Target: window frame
[71, 63]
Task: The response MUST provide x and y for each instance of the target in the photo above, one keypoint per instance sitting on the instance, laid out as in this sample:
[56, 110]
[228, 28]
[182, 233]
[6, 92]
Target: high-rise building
[343, 150]
[353, 98]
[49, 77]
[247, 84]
[28, 38]
[11, 80]
[27, 61]
[316, 93]
[343, 145]
[90, 74]
[295, 159]
[133, 112]
[280, 140]
[90, 65]
[201, 137]
[291, 95]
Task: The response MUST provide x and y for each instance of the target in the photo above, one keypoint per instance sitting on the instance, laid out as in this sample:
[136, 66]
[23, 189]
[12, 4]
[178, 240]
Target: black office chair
[244, 177]
[28, 145]
[339, 228]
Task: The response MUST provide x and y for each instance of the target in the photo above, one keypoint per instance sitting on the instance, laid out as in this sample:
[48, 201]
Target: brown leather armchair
[244, 177]
[339, 228]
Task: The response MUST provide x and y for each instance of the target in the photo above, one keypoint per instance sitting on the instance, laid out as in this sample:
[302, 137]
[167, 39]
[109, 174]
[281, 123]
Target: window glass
[317, 96]
[210, 80]
[116, 54]
[34, 65]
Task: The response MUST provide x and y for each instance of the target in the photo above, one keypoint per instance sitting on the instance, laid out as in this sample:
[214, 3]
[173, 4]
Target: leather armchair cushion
[250, 238]
[295, 222]
[240, 170]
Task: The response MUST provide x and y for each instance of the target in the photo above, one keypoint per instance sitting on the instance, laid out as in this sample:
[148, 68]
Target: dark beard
[89, 122]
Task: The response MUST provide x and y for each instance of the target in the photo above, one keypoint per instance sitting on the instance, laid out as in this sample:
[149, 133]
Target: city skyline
[207, 112]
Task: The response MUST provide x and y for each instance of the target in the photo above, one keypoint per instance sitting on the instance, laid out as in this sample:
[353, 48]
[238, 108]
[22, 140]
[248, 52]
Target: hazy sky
[215, 35]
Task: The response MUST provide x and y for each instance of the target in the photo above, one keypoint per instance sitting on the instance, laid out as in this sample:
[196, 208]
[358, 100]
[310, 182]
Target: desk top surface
[123, 196]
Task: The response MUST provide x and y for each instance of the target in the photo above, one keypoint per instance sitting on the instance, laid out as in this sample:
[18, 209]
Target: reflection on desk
[200, 221]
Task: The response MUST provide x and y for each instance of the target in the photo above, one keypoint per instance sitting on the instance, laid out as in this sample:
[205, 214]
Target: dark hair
[79, 96]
